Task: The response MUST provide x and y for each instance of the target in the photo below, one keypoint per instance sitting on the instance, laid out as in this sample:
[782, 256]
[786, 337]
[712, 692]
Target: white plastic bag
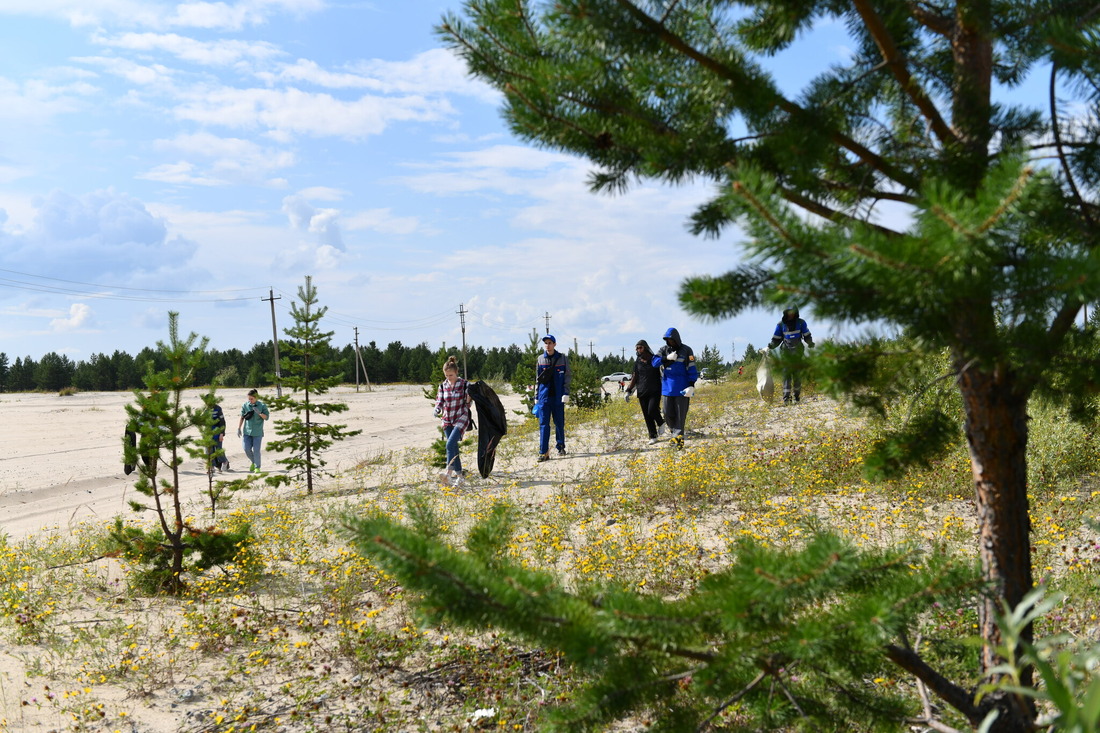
[764, 384]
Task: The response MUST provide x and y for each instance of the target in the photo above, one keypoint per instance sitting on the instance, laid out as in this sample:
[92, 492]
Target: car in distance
[617, 377]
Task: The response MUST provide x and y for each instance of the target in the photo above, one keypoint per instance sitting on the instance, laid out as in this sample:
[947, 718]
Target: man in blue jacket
[553, 376]
[678, 375]
[790, 333]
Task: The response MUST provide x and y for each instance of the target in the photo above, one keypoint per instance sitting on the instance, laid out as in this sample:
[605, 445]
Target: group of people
[250, 429]
[665, 378]
[664, 382]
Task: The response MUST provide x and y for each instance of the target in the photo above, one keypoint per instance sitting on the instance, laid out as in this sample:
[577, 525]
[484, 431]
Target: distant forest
[256, 367]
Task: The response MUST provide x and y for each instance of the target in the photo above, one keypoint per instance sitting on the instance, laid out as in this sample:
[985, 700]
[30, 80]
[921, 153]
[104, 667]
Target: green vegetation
[155, 444]
[307, 373]
[986, 258]
[299, 630]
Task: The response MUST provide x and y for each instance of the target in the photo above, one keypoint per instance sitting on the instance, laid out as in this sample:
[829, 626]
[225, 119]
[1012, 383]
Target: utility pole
[624, 353]
[356, 330]
[547, 317]
[275, 338]
[592, 348]
[576, 349]
[462, 321]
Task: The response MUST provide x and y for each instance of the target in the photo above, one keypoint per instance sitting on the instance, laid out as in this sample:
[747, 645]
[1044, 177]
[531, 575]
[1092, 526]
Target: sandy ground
[61, 457]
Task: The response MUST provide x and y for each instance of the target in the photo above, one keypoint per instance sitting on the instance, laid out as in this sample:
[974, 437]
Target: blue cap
[550, 338]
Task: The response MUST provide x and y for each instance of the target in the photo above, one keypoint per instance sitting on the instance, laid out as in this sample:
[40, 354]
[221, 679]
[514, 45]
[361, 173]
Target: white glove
[565, 399]
[671, 356]
[238, 432]
[688, 392]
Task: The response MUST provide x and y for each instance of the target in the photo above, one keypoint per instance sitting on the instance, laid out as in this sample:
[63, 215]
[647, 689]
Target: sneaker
[227, 465]
[458, 482]
[654, 441]
[561, 451]
[254, 469]
[663, 430]
[678, 442]
[544, 457]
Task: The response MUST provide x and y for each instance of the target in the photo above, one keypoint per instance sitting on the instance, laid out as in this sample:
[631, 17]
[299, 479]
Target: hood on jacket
[646, 351]
[673, 337]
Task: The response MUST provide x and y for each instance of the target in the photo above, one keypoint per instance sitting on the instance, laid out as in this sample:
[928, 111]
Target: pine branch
[741, 82]
[939, 24]
[732, 701]
[944, 688]
[900, 68]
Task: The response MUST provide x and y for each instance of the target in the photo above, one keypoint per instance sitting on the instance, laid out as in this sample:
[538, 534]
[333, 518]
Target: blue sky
[190, 156]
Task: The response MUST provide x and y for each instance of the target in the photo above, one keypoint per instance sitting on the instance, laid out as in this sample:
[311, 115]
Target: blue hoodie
[676, 376]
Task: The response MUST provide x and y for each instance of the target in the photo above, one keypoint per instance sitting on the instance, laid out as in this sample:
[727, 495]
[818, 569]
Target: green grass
[303, 632]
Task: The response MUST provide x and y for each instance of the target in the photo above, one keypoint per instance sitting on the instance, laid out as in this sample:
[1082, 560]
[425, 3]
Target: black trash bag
[492, 423]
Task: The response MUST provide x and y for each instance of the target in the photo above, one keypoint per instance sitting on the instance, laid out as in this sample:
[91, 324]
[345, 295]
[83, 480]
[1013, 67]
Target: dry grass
[303, 635]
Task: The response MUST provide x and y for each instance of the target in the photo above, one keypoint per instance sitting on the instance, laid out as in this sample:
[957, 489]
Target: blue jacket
[791, 335]
[676, 375]
[556, 383]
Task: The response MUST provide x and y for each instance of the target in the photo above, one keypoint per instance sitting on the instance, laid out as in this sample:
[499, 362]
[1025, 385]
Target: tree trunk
[996, 433]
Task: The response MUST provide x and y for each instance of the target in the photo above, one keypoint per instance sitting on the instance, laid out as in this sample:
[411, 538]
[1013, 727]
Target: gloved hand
[628, 397]
[565, 399]
[439, 412]
[238, 432]
[810, 343]
[688, 392]
[671, 356]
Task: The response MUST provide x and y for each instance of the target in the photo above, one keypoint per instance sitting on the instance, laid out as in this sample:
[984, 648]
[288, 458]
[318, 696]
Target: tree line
[396, 362]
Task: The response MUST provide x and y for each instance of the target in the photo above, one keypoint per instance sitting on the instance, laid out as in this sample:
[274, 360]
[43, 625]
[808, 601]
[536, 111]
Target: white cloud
[323, 223]
[36, 100]
[226, 16]
[233, 160]
[142, 75]
[436, 71]
[161, 13]
[80, 316]
[322, 193]
[382, 220]
[298, 112]
[224, 52]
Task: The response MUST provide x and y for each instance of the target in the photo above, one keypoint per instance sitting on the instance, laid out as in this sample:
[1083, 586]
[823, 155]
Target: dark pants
[651, 412]
[791, 380]
[676, 412]
[555, 410]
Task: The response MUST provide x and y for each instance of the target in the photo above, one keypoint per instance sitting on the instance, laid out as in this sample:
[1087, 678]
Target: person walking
[452, 407]
[554, 377]
[253, 415]
[645, 381]
[217, 458]
[790, 333]
[678, 376]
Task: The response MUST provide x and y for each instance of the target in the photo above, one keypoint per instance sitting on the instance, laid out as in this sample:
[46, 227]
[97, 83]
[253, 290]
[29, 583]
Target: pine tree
[991, 258]
[709, 363]
[789, 637]
[308, 371]
[155, 444]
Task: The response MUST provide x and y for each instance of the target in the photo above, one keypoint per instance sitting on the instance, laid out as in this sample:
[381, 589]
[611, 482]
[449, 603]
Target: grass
[302, 634]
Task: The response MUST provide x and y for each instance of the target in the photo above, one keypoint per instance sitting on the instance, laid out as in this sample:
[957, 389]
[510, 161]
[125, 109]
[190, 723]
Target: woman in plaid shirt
[452, 406]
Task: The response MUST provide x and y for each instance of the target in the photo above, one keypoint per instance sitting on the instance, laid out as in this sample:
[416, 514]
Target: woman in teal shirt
[253, 414]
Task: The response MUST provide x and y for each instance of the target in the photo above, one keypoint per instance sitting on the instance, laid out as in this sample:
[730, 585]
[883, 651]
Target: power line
[119, 287]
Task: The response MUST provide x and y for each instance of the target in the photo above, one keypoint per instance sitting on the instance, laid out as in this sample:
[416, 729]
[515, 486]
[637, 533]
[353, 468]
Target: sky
[202, 157]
